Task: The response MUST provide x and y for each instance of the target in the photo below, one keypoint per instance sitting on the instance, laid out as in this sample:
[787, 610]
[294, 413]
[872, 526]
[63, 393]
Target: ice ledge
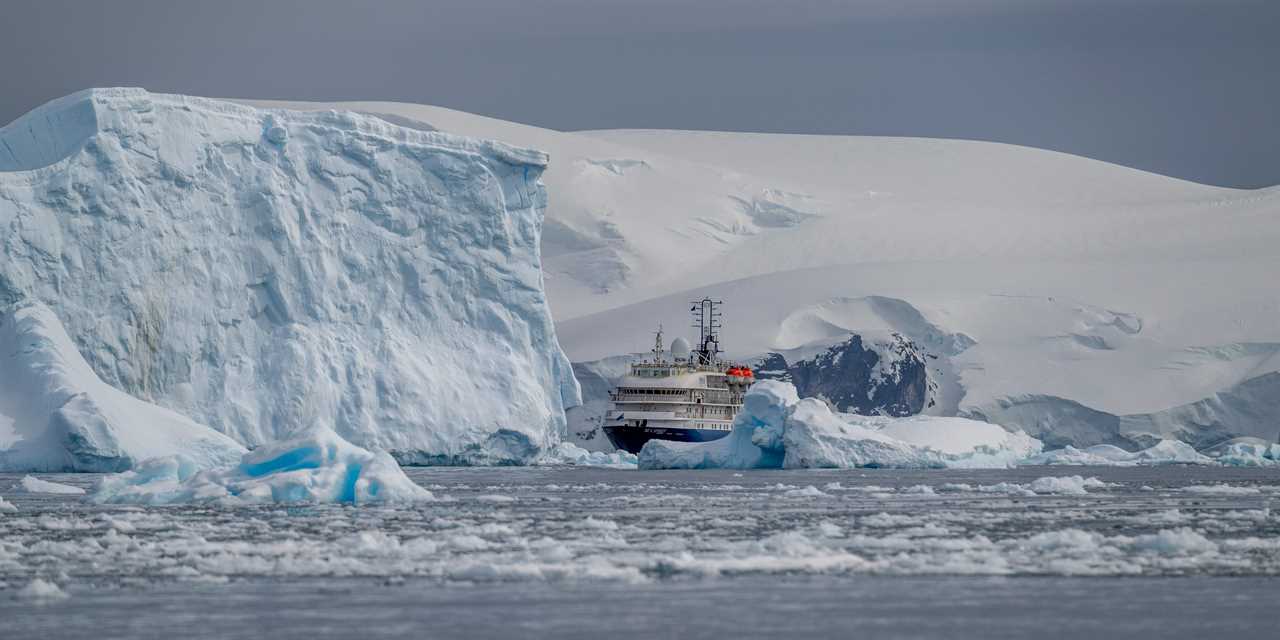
[57, 129]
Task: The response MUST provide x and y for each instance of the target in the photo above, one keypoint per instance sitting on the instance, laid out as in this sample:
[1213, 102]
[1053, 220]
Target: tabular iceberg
[263, 271]
[776, 429]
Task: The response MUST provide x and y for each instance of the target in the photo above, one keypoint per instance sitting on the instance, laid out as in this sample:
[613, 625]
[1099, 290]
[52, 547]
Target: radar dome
[680, 349]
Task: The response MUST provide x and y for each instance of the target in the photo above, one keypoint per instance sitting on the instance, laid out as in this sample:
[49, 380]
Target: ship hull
[632, 438]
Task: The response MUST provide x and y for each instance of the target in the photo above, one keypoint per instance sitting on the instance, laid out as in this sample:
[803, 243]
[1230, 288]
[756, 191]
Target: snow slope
[57, 415]
[1104, 304]
[263, 272]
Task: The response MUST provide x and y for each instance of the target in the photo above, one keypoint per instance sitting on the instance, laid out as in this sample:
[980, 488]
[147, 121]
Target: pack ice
[262, 272]
[778, 429]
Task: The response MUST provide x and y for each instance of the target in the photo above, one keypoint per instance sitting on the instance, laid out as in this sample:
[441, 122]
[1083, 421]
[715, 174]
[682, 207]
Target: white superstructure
[678, 394]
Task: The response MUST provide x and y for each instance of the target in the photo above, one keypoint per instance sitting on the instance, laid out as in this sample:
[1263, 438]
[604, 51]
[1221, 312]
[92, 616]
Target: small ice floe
[1105, 455]
[40, 590]
[807, 492]
[571, 454]
[6, 506]
[1221, 490]
[315, 468]
[1066, 485]
[1246, 452]
[32, 484]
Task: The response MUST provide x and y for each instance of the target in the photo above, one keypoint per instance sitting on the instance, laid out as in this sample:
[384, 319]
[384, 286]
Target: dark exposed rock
[884, 378]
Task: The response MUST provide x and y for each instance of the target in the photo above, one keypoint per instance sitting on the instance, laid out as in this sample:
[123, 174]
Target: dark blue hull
[632, 439]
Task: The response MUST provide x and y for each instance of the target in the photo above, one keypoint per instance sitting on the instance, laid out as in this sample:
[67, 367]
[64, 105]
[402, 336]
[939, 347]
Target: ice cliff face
[264, 271]
[56, 415]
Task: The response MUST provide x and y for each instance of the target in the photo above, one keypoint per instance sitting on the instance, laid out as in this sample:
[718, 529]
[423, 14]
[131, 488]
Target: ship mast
[706, 319]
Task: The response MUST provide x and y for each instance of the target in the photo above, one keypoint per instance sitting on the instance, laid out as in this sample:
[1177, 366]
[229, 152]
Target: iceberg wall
[265, 271]
[56, 415]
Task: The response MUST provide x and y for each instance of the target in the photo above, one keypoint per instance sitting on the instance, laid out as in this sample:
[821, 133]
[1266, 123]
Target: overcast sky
[1189, 89]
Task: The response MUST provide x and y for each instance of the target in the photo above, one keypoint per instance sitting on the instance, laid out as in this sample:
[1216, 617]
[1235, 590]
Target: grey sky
[1189, 89]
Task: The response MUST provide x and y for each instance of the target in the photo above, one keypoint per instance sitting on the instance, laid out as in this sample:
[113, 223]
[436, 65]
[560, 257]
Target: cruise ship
[681, 393]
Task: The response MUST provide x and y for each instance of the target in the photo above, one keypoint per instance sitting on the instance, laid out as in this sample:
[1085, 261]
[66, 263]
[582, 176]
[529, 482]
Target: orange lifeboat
[748, 373]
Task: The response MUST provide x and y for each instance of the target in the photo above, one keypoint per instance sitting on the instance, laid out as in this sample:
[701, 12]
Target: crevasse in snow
[263, 271]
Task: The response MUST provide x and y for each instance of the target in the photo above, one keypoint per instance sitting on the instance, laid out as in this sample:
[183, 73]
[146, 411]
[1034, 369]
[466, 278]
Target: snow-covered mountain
[265, 272]
[1091, 302]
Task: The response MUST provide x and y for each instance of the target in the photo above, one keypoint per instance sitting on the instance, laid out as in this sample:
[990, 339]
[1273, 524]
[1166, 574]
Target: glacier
[264, 271]
[777, 429]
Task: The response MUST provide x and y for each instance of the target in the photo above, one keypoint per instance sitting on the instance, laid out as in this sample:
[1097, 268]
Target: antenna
[706, 319]
[657, 344]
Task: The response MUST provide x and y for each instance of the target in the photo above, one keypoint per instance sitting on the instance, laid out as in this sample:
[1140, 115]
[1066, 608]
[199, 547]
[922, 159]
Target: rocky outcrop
[884, 377]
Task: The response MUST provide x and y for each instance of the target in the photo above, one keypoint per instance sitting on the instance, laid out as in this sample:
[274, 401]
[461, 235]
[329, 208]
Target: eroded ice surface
[318, 467]
[776, 428]
[264, 271]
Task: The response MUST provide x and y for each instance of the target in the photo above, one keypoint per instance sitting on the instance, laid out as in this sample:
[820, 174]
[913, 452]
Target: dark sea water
[584, 553]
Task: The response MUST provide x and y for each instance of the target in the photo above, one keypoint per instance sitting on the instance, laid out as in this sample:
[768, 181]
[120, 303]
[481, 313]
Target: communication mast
[706, 319]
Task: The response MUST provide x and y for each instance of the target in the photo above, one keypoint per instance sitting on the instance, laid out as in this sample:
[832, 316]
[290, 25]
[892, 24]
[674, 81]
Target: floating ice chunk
[777, 429]
[1068, 485]
[754, 443]
[1246, 452]
[571, 454]
[317, 467]
[1007, 488]
[918, 441]
[1099, 455]
[6, 506]
[1170, 452]
[1221, 490]
[40, 589]
[33, 484]
[1175, 541]
[920, 489]
[1163, 452]
[807, 492]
